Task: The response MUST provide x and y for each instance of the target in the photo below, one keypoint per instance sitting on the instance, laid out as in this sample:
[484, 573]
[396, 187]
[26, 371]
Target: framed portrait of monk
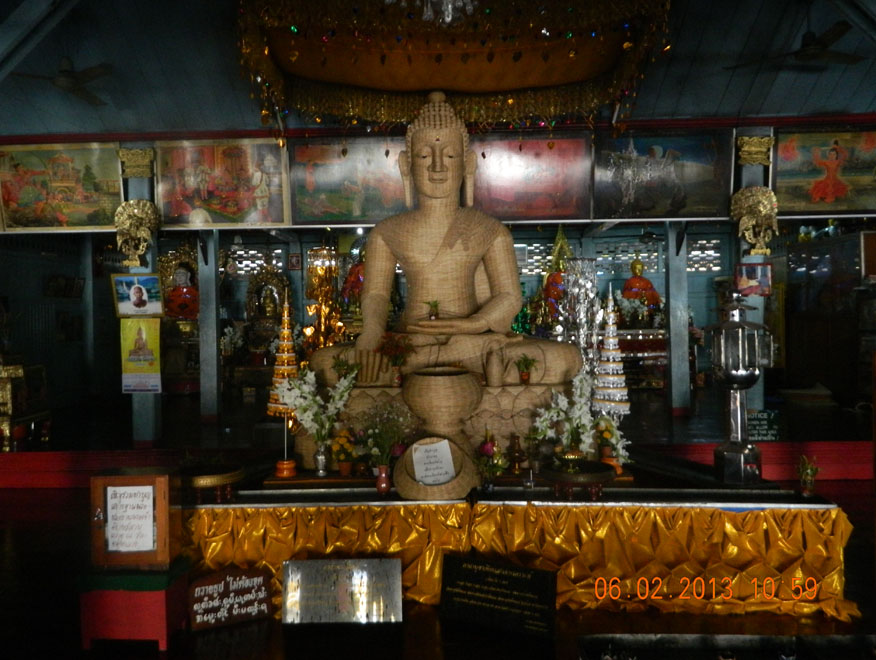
[825, 173]
[60, 187]
[687, 175]
[533, 177]
[224, 183]
[354, 181]
[137, 295]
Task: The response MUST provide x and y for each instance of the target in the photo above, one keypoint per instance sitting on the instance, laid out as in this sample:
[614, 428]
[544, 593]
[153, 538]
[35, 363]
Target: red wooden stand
[129, 606]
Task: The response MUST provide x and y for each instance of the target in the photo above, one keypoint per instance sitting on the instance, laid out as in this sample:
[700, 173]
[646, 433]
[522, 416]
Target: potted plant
[343, 452]
[611, 443]
[433, 309]
[524, 366]
[807, 470]
[396, 347]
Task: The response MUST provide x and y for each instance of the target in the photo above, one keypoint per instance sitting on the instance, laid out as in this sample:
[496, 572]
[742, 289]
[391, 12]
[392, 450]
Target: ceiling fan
[814, 49]
[70, 80]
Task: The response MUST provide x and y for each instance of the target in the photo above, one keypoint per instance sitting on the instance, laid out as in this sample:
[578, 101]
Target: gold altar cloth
[621, 558]
[419, 534]
[677, 559]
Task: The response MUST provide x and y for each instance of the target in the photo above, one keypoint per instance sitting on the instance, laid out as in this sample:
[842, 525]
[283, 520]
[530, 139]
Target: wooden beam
[26, 27]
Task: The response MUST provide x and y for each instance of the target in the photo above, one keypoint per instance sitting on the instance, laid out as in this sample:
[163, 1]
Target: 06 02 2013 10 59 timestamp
[701, 588]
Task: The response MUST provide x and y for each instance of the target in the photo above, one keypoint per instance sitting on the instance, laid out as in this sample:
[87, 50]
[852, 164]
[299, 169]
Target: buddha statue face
[437, 163]
[437, 159]
[637, 267]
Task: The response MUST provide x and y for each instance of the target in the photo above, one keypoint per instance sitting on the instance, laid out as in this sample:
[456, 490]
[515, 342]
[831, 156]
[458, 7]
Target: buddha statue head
[437, 157]
[637, 267]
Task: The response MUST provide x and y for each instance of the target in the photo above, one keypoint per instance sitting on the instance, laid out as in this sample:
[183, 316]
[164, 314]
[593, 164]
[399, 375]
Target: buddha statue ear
[404, 166]
[468, 177]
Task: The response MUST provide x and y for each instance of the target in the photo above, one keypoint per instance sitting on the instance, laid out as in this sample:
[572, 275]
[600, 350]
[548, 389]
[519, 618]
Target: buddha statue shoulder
[454, 256]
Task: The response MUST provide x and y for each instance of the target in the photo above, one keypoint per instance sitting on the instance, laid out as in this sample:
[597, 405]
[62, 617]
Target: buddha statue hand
[461, 326]
[372, 365]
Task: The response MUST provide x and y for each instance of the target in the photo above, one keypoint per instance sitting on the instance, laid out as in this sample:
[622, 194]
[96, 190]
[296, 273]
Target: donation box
[136, 520]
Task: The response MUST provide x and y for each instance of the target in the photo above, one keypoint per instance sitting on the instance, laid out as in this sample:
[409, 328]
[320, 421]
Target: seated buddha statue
[455, 255]
[639, 287]
[268, 304]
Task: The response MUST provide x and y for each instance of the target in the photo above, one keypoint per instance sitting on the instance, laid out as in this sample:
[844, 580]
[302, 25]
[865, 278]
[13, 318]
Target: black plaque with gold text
[498, 595]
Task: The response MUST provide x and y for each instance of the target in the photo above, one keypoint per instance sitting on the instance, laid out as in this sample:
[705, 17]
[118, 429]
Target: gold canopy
[507, 61]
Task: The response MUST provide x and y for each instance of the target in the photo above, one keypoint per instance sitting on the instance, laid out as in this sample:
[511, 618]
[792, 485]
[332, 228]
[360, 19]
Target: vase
[396, 376]
[524, 377]
[320, 460]
[807, 486]
[345, 468]
[383, 482]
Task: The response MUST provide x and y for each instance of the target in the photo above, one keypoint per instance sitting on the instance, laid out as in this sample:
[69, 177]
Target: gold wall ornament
[136, 220]
[754, 150]
[755, 209]
[137, 163]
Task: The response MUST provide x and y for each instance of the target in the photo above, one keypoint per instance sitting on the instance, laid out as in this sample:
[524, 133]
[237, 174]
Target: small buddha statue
[268, 303]
[639, 287]
[453, 254]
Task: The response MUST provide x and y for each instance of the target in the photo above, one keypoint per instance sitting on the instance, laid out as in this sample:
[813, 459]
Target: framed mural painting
[50, 187]
[825, 173]
[354, 181]
[230, 183]
[657, 176]
[536, 177]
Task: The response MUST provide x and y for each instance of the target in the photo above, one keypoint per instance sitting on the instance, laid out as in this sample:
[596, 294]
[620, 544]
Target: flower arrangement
[566, 421]
[492, 461]
[433, 308]
[318, 416]
[343, 448]
[607, 434]
[387, 428]
[396, 347]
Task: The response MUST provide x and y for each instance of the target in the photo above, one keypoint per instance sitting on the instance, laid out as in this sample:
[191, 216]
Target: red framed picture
[754, 279]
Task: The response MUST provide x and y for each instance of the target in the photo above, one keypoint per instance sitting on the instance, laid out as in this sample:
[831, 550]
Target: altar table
[612, 556]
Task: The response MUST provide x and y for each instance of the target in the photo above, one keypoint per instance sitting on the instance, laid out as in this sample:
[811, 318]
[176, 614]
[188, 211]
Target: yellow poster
[141, 365]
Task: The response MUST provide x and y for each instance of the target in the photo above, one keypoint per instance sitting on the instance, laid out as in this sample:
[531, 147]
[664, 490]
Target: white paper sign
[433, 463]
[130, 518]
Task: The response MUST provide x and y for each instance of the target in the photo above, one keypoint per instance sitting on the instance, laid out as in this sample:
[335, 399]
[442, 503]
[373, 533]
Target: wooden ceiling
[175, 66]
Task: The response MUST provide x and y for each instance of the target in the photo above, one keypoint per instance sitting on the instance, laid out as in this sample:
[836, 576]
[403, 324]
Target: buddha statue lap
[453, 254]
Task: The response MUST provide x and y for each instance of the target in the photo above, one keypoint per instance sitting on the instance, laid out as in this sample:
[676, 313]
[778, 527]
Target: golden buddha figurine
[268, 303]
[455, 255]
[639, 287]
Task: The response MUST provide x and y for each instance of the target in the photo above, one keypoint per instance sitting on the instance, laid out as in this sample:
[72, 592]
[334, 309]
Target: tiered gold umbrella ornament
[285, 367]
